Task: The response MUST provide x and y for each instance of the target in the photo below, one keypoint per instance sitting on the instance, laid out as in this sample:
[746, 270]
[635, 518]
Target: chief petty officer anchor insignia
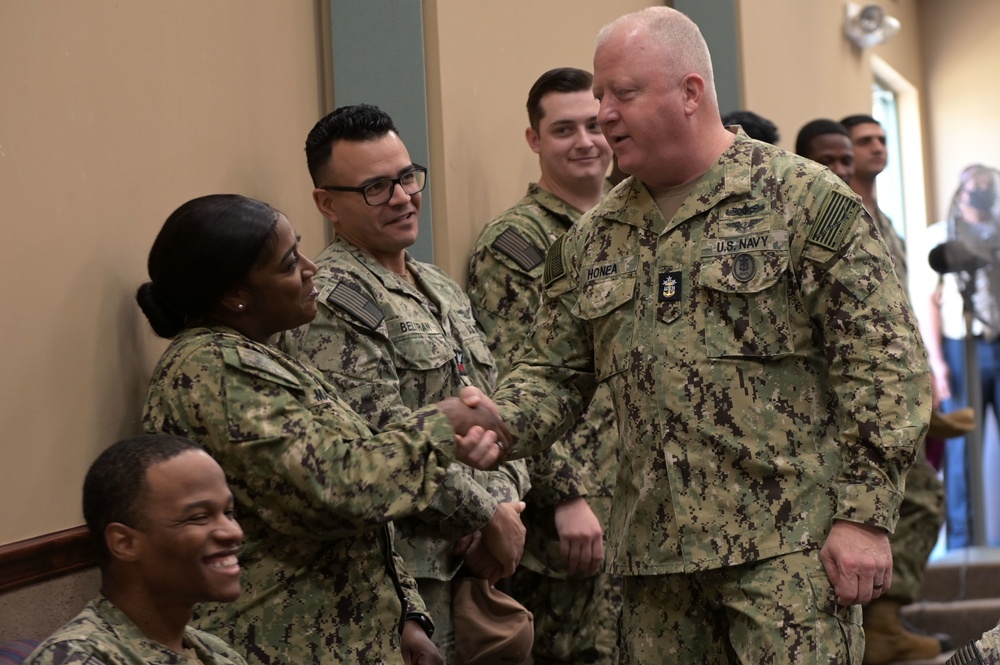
[670, 286]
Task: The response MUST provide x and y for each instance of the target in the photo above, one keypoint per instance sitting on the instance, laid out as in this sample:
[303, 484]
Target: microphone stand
[974, 439]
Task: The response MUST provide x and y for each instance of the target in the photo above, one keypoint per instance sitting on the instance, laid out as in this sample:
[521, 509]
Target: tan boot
[886, 641]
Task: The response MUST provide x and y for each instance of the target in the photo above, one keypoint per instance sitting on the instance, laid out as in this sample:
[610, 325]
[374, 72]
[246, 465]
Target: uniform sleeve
[358, 360]
[506, 295]
[510, 482]
[307, 464]
[546, 390]
[412, 600]
[877, 363]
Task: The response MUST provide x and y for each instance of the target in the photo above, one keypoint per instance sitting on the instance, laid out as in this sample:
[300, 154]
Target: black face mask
[982, 199]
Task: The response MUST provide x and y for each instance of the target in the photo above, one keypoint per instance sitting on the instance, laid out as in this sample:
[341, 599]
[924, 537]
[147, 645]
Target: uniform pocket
[746, 304]
[608, 305]
[422, 352]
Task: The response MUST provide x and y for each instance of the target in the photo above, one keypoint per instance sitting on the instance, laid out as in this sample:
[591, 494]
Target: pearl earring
[240, 306]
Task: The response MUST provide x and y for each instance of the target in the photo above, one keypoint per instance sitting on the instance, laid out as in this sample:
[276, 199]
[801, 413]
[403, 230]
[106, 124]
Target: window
[890, 181]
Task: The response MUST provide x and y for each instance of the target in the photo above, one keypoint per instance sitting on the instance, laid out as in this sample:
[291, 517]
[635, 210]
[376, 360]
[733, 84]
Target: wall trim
[45, 557]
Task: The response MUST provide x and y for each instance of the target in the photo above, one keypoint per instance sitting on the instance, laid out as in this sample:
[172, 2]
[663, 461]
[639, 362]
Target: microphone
[955, 256]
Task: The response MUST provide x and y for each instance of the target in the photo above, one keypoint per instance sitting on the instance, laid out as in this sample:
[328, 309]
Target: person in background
[316, 489]
[575, 607]
[392, 335]
[754, 125]
[161, 519]
[973, 228]
[870, 159]
[828, 143]
[921, 514]
[769, 384]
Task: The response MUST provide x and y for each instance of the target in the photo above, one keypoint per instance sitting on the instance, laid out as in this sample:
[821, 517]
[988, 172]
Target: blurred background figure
[965, 250]
[828, 143]
[755, 126]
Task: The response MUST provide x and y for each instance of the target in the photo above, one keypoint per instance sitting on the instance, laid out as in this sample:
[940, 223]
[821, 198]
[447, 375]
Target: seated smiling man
[161, 516]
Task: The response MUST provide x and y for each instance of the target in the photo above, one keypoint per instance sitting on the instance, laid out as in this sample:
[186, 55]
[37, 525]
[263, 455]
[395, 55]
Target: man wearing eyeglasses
[394, 335]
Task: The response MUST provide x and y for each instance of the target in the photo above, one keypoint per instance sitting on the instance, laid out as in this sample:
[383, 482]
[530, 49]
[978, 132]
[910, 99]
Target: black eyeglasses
[380, 191]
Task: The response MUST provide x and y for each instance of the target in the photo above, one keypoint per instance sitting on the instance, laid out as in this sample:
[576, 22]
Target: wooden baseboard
[45, 557]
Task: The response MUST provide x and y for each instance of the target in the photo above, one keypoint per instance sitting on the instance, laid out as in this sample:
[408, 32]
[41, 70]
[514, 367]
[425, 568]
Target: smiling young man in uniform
[575, 608]
[161, 516]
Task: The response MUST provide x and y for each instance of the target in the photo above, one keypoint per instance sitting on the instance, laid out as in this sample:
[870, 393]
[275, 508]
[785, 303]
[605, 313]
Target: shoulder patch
[833, 221]
[258, 361]
[513, 245]
[554, 268]
[357, 304]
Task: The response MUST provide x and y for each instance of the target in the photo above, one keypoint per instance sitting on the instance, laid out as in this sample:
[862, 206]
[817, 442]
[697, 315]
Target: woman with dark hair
[316, 490]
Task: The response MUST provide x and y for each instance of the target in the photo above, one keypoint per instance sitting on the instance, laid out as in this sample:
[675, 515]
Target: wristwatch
[423, 621]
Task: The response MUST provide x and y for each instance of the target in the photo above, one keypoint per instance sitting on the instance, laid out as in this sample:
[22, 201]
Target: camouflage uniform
[922, 512]
[984, 651]
[575, 619]
[101, 633]
[321, 583]
[390, 349]
[767, 377]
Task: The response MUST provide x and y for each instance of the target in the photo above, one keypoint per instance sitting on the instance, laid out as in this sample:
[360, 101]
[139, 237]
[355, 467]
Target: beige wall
[799, 66]
[477, 84]
[961, 53]
[113, 114]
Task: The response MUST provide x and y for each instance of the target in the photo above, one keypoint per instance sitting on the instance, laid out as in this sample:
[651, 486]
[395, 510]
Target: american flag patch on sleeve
[512, 244]
[354, 302]
[834, 220]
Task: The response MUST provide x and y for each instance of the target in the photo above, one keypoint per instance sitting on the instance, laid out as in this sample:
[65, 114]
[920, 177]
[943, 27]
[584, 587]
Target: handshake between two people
[481, 438]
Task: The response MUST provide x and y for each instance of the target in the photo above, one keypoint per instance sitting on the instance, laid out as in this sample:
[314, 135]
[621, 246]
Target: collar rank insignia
[670, 286]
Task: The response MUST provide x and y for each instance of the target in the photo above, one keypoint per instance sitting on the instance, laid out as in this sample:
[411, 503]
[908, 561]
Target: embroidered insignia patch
[670, 286]
[554, 268]
[514, 246]
[744, 267]
[259, 361]
[354, 302]
[833, 221]
[745, 209]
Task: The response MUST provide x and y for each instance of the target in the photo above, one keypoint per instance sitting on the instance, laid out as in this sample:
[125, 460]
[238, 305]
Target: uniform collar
[552, 204]
[729, 177]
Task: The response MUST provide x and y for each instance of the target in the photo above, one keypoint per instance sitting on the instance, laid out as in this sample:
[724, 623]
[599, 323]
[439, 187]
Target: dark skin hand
[481, 437]
[418, 649]
[495, 551]
[477, 560]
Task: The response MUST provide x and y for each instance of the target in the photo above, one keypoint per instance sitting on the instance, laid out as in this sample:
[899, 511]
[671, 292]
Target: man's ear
[533, 139]
[123, 541]
[324, 203]
[694, 91]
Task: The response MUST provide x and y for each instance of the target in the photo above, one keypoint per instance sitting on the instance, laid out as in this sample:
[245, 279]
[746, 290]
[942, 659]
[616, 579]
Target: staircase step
[940, 660]
[964, 574]
[964, 620]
